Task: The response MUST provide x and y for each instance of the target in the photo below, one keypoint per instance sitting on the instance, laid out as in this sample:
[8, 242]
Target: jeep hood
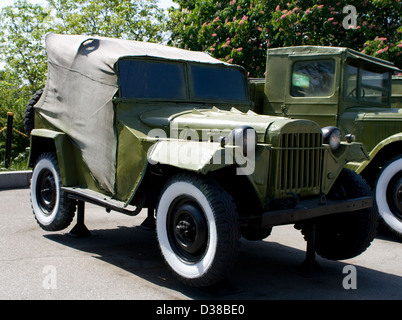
[266, 127]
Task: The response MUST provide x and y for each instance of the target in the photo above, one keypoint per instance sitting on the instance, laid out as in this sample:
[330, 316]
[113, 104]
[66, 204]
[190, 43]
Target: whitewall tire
[51, 207]
[388, 195]
[197, 229]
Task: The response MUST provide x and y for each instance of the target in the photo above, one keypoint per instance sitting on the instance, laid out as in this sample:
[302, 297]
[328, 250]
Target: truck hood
[371, 126]
[266, 127]
[391, 114]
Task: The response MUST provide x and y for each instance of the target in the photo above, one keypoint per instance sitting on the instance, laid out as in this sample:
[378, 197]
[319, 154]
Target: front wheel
[388, 195]
[52, 208]
[346, 235]
[197, 229]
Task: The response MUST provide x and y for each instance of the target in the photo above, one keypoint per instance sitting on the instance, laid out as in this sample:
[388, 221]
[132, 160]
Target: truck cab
[347, 89]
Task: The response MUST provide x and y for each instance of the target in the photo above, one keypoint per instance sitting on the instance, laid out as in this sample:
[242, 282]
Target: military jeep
[130, 126]
[352, 91]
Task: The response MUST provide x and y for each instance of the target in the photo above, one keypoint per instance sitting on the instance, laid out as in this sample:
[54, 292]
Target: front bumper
[310, 209]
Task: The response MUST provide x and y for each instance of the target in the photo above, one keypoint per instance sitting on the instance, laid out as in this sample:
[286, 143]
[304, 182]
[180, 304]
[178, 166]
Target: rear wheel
[197, 229]
[52, 208]
[29, 116]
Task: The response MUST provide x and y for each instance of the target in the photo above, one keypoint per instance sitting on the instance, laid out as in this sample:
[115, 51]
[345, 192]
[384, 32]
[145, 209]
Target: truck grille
[299, 164]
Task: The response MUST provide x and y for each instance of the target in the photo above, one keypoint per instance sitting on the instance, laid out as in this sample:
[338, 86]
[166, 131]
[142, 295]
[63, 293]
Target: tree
[23, 55]
[234, 31]
[372, 27]
[241, 31]
[23, 28]
[140, 20]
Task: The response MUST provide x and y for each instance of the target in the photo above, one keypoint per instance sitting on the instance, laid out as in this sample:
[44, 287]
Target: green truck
[129, 126]
[352, 91]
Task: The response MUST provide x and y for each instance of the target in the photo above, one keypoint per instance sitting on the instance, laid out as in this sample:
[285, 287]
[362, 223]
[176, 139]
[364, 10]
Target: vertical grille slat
[299, 163]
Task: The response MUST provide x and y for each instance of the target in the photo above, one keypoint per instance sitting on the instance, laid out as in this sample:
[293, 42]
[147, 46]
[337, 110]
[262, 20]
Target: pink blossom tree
[241, 31]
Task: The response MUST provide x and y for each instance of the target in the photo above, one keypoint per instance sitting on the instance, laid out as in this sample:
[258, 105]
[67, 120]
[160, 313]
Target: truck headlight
[244, 137]
[332, 136]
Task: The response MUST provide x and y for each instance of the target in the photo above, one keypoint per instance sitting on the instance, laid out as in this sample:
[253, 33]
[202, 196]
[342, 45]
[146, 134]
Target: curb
[15, 179]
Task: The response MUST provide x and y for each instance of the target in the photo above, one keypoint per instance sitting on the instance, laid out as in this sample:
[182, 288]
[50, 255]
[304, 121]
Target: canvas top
[81, 85]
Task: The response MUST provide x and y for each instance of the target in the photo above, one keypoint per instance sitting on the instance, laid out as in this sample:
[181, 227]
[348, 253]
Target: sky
[4, 3]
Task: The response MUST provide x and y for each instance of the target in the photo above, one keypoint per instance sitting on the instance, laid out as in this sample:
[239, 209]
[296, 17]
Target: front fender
[198, 156]
[336, 161]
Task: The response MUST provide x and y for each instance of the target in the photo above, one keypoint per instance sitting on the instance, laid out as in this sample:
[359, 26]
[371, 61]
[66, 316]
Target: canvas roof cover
[81, 84]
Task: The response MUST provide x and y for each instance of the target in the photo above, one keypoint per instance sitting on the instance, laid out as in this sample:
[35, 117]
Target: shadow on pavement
[265, 270]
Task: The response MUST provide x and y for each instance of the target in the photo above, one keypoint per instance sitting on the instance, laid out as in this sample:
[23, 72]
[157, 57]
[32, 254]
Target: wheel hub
[188, 231]
[46, 192]
[397, 198]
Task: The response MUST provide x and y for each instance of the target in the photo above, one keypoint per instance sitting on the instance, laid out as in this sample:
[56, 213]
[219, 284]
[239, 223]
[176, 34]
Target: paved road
[122, 261]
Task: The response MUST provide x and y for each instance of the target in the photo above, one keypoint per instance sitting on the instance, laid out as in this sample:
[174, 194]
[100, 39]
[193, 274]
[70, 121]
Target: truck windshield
[366, 84]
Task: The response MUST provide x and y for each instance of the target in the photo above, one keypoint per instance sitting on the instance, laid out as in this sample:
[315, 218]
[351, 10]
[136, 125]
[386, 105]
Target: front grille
[299, 164]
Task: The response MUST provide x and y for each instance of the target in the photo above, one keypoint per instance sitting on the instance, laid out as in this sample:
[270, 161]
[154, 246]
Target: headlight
[244, 137]
[332, 136]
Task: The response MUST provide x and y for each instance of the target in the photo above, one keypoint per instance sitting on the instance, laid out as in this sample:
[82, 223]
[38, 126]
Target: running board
[97, 198]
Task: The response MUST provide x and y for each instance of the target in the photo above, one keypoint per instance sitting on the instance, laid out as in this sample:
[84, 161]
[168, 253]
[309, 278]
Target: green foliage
[23, 27]
[24, 71]
[140, 20]
[233, 31]
[240, 31]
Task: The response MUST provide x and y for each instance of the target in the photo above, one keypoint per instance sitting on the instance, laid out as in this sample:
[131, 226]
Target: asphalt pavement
[121, 261]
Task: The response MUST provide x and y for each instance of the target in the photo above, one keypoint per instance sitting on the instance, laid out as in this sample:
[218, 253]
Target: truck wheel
[52, 209]
[197, 229]
[346, 235]
[388, 195]
[29, 116]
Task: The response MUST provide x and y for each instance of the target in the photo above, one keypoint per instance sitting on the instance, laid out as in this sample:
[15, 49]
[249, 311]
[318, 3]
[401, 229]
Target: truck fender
[377, 149]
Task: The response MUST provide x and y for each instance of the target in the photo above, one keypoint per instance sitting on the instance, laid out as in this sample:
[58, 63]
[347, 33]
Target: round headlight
[244, 137]
[332, 136]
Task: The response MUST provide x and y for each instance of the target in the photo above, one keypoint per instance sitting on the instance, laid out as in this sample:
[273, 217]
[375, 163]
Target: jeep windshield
[366, 83]
[174, 80]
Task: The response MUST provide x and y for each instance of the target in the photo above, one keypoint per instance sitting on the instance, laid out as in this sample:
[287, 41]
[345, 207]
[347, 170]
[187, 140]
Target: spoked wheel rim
[46, 192]
[187, 229]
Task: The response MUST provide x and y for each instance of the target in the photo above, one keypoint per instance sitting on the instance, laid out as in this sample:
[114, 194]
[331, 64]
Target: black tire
[388, 195]
[52, 208]
[255, 234]
[346, 235]
[197, 229]
[29, 116]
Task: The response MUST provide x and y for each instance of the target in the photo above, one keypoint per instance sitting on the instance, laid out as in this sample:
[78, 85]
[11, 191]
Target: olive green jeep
[346, 89]
[130, 126]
